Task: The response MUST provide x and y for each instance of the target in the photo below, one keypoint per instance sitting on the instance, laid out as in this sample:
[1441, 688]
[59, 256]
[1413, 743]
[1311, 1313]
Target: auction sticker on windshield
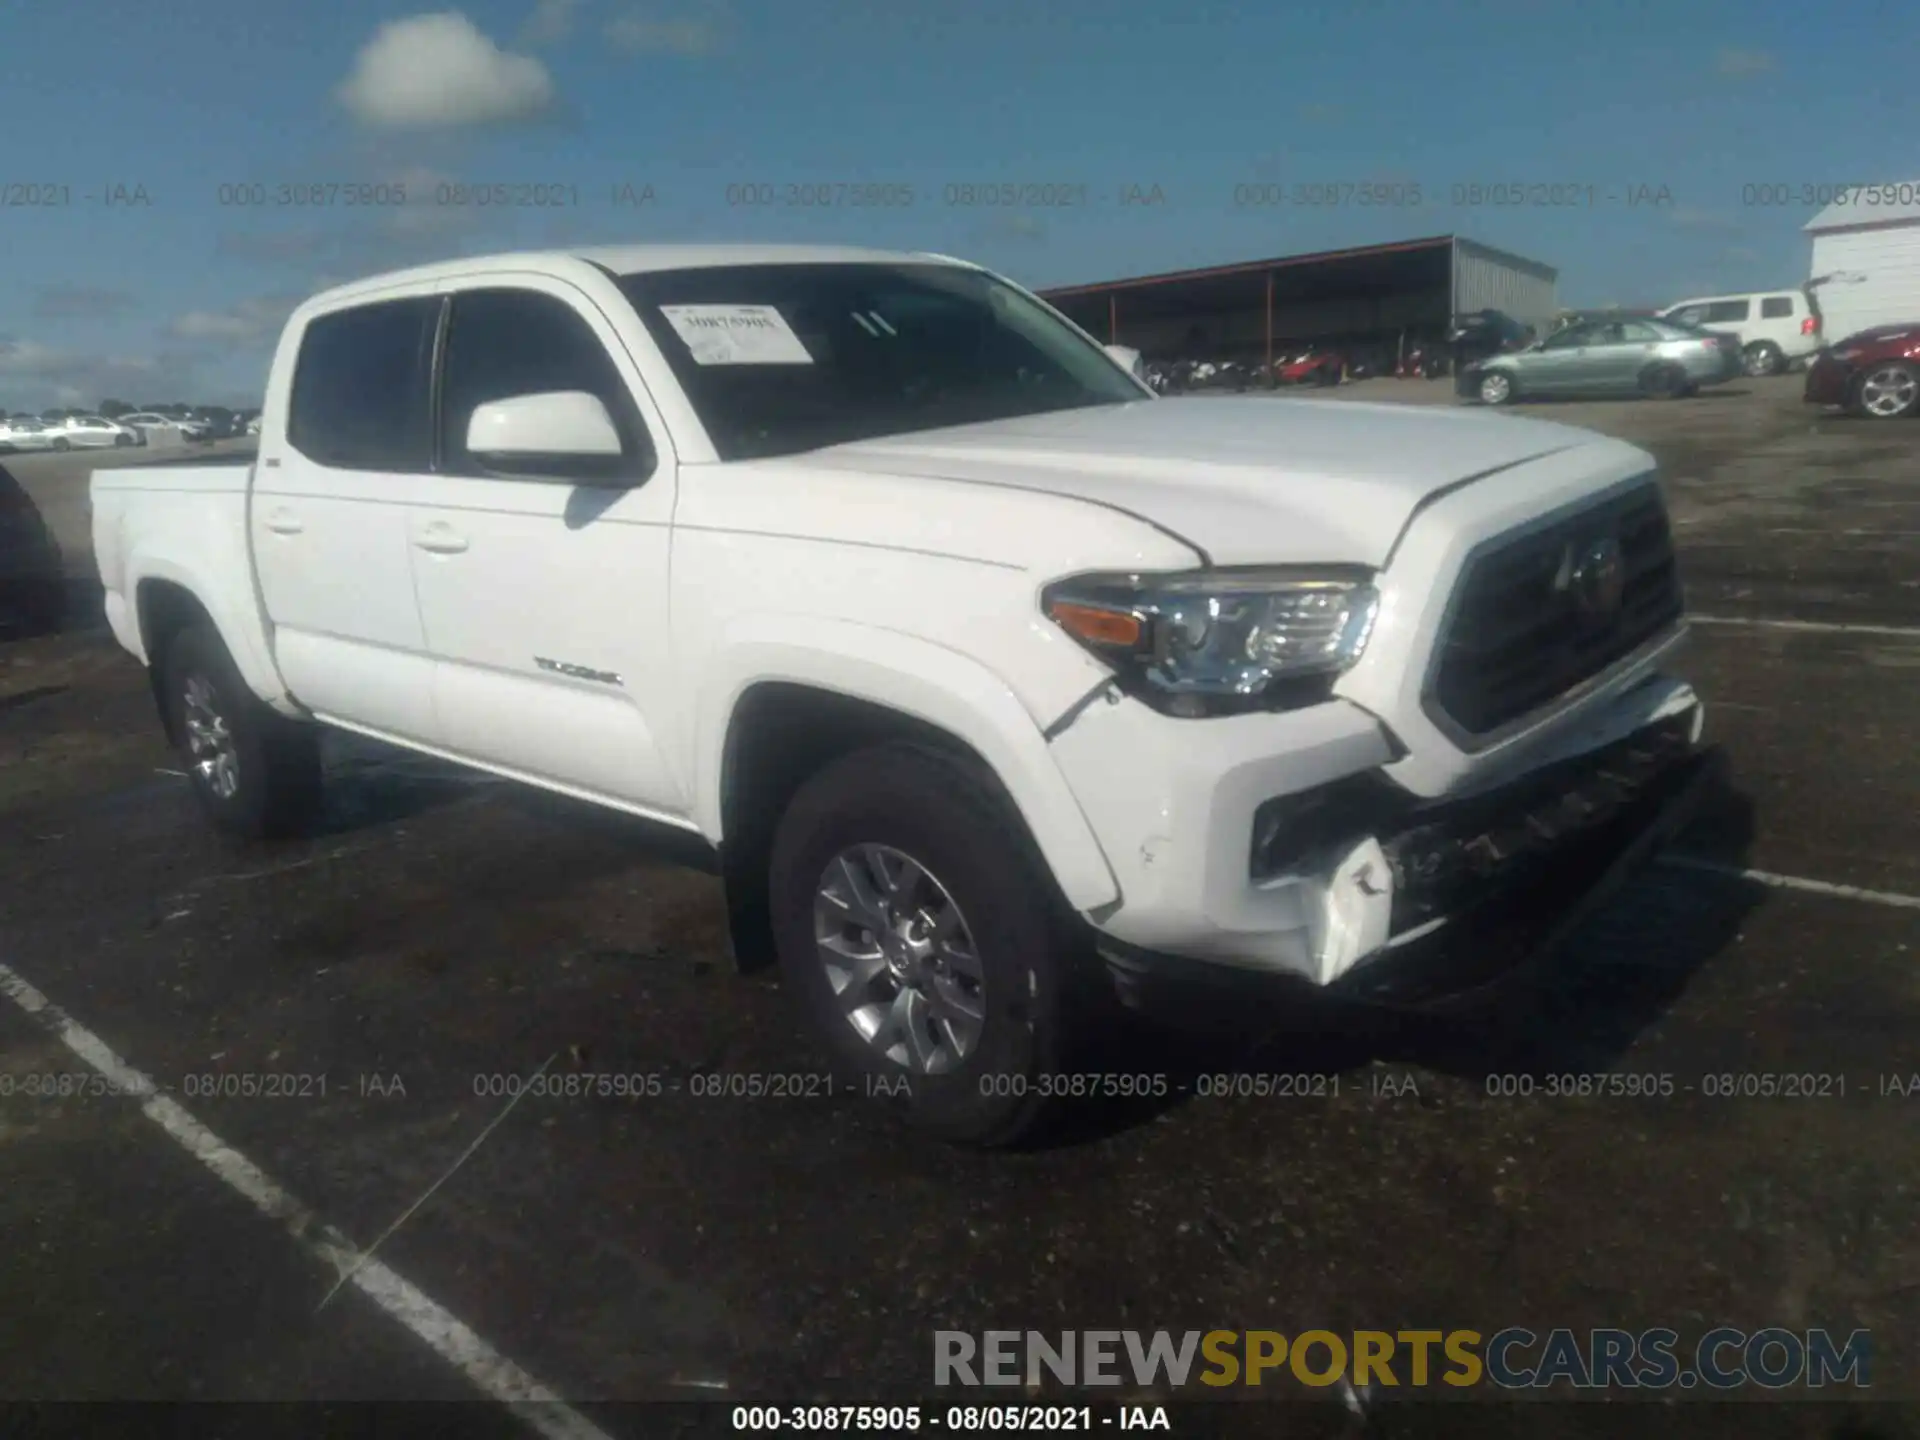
[736, 335]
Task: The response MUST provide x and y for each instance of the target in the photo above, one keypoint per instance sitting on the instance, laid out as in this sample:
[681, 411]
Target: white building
[1869, 244]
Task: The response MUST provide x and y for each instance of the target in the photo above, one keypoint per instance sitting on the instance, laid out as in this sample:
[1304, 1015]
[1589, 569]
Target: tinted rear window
[361, 387]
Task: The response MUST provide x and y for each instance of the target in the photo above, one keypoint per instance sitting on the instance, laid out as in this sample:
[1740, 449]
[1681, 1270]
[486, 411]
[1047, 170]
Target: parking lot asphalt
[447, 931]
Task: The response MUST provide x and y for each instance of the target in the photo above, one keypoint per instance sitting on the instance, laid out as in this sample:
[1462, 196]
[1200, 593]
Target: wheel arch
[795, 697]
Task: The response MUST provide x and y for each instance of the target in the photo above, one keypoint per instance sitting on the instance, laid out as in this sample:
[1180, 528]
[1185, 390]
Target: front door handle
[441, 540]
[284, 522]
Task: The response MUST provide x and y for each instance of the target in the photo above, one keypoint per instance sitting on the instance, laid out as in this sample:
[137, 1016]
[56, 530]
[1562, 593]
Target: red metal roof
[1249, 267]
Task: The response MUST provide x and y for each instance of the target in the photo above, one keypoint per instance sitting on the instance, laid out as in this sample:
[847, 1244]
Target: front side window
[361, 387]
[780, 359]
[1722, 312]
[502, 343]
[1571, 337]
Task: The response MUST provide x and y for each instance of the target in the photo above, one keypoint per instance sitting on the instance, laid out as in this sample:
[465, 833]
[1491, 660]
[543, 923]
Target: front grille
[1531, 617]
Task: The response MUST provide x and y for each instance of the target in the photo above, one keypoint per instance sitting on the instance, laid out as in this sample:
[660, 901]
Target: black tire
[61, 443]
[1663, 382]
[1763, 357]
[1040, 987]
[277, 790]
[120, 442]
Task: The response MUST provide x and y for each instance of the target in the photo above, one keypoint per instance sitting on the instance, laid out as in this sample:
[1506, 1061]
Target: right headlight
[1216, 642]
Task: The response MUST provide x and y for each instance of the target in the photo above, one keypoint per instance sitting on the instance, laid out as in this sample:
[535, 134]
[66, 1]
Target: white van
[1778, 329]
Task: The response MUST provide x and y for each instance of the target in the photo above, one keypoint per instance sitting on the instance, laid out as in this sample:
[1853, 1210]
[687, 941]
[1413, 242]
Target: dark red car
[1875, 373]
[1316, 367]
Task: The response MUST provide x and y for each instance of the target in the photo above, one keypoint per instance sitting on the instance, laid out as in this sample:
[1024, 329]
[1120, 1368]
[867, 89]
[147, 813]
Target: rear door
[543, 584]
[329, 517]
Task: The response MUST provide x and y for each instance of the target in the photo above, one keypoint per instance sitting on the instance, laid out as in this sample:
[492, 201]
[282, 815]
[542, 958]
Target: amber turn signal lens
[1096, 626]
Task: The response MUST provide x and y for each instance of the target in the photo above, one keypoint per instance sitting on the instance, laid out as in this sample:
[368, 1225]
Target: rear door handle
[440, 539]
[284, 522]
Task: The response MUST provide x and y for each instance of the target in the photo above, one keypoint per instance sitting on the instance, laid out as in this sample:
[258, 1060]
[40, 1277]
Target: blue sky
[179, 297]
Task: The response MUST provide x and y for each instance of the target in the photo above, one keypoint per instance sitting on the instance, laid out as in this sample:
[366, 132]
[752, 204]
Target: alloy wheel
[210, 744]
[899, 958]
[1888, 391]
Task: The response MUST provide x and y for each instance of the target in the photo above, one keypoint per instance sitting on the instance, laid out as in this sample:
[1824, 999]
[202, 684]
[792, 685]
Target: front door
[543, 586]
[1555, 368]
[329, 522]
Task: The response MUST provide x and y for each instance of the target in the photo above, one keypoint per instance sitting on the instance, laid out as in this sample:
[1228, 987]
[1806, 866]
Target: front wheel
[1888, 392]
[917, 930]
[1495, 388]
[122, 441]
[61, 443]
[255, 773]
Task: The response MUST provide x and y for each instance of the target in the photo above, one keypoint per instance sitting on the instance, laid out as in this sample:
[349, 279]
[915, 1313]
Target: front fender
[916, 677]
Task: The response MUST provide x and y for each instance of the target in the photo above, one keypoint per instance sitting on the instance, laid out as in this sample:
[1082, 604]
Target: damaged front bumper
[1434, 899]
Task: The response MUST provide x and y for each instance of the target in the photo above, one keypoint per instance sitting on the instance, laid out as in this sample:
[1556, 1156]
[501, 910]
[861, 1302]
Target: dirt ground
[445, 929]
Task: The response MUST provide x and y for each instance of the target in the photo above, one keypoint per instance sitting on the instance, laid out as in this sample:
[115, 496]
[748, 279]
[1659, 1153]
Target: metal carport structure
[1369, 294]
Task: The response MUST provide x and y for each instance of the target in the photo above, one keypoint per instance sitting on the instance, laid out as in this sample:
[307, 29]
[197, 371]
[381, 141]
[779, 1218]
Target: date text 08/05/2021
[960, 1419]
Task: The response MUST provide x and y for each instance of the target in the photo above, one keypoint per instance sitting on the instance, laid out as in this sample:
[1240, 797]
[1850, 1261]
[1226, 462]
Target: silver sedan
[1607, 357]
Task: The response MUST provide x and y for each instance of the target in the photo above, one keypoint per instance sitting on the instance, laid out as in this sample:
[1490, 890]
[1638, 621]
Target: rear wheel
[1888, 392]
[918, 932]
[1663, 382]
[60, 442]
[255, 772]
[1763, 357]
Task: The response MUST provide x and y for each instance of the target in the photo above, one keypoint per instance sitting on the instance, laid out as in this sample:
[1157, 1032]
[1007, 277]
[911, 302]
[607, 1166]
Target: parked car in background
[148, 421]
[1606, 357]
[19, 435]
[94, 432]
[1310, 367]
[1875, 373]
[1776, 328]
[33, 589]
[1481, 334]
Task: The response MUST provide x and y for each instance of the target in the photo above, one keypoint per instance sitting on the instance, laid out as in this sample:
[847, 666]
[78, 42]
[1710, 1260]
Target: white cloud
[1744, 62]
[33, 375]
[639, 32]
[249, 321]
[551, 22]
[440, 72]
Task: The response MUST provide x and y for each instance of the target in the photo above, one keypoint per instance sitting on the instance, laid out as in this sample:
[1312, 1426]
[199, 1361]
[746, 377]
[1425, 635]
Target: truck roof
[625, 260]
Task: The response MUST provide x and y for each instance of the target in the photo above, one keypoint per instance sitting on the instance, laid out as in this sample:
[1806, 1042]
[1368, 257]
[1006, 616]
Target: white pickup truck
[999, 684]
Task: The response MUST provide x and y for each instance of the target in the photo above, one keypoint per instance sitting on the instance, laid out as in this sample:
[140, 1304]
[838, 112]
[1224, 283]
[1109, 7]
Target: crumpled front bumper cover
[1471, 918]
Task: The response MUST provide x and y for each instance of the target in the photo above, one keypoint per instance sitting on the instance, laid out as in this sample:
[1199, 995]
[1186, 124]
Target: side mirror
[558, 423]
[1128, 359]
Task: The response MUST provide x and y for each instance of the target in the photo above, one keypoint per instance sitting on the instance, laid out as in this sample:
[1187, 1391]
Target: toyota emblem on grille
[1594, 577]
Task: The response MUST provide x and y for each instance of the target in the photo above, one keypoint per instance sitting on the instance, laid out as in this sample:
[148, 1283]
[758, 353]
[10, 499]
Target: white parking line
[489, 1371]
[1815, 627]
[1794, 882]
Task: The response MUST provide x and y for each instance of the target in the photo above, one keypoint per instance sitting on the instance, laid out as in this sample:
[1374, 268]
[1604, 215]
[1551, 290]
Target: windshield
[779, 359]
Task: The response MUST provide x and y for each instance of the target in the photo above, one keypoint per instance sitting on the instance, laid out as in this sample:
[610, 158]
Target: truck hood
[1244, 480]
